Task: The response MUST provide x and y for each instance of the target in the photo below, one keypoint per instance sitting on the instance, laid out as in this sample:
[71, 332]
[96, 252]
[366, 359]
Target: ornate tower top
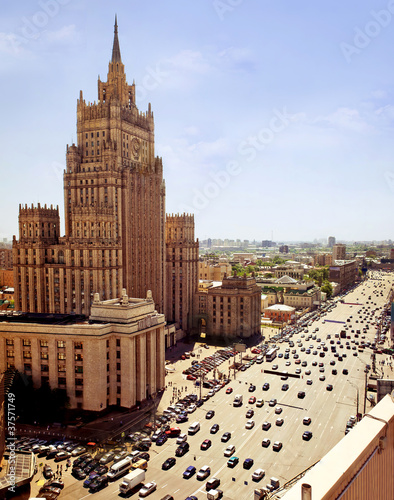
[116, 48]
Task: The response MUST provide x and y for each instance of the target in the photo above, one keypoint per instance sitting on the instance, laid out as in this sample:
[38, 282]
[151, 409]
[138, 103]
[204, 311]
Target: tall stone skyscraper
[114, 198]
[181, 270]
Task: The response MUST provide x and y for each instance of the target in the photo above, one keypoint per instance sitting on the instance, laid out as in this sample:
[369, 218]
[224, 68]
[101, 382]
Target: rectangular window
[10, 354]
[61, 343]
[117, 342]
[78, 381]
[78, 393]
[118, 366]
[78, 345]
[27, 367]
[44, 355]
[61, 355]
[61, 368]
[78, 357]
[26, 343]
[61, 380]
[9, 342]
[118, 354]
[79, 369]
[27, 354]
[43, 343]
[44, 368]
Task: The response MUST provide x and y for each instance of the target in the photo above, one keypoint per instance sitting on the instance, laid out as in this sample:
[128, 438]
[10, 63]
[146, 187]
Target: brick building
[343, 272]
[339, 251]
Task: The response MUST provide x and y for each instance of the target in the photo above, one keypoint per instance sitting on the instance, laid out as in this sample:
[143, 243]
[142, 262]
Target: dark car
[252, 388]
[329, 387]
[210, 414]
[100, 483]
[248, 462]
[206, 444]
[189, 472]
[92, 477]
[266, 386]
[79, 473]
[143, 456]
[182, 449]
[170, 462]
[301, 394]
[214, 429]
[161, 439]
[307, 435]
[226, 436]
[212, 484]
[47, 471]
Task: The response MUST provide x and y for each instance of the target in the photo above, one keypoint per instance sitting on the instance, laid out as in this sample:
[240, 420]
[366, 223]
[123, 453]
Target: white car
[278, 410]
[191, 408]
[258, 474]
[147, 489]
[249, 424]
[203, 472]
[181, 438]
[229, 450]
[259, 403]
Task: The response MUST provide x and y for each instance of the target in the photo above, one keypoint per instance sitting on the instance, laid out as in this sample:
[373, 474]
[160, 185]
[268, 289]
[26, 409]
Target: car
[107, 458]
[203, 473]
[279, 421]
[248, 463]
[285, 387]
[232, 462]
[62, 455]
[265, 442]
[307, 372]
[181, 438]
[278, 410]
[210, 414]
[229, 390]
[212, 484]
[229, 450]
[272, 402]
[47, 471]
[205, 444]
[301, 394]
[252, 388]
[79, 450]
[258, 474]
[345, 371]
[306, 420]
[307, 435]
[161, 439]
[275, 367]
[330, 387]
[147, 489]
[309, 381]
[182, 449]
[249, 413]
[226, 436]
[214, 429]
[266, 386]
[99, 483]
[334, 371]
[249, 424]
[140, 456]
[322, 378]
[92, 477]
[277, 446]
[266, 426]
[167, 464]
[189, 472]
[49, 492]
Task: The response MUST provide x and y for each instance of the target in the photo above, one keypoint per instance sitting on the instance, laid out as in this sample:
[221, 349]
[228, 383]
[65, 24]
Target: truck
[343, 334]
[131, 480]
[237, 400]
[214, 494]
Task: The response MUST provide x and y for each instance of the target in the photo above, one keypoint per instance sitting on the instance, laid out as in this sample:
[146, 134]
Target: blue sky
[270, 116]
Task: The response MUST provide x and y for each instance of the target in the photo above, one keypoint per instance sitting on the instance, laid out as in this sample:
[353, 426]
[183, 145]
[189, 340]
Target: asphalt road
[329, 411]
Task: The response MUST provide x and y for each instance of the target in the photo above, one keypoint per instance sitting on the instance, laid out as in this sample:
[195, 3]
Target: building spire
[116, 49]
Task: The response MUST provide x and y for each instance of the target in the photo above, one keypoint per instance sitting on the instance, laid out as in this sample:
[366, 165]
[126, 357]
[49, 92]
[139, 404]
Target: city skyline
[261, 112]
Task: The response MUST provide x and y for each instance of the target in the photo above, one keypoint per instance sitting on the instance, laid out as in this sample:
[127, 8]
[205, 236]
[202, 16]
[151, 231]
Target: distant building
[214, 272]
[280, 313]
[289, 270]
[343, 272]
[284, 249]
[5, 258]
[323, 259]
[230, 310]
[339, 251]
[268, 243]
[331, 241]
[241, 257]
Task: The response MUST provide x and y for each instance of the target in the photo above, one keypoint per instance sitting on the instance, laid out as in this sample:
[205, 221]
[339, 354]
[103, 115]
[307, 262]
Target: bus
[270, 354]
[119, 469]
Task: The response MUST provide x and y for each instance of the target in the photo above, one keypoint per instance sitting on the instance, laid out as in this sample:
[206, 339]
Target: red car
[256, 351]
[206, 444]
[229, 390]
[191, 377]
[252, 400]
[174, 431]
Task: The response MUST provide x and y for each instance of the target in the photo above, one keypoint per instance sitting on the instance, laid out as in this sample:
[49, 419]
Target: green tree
[327, 288]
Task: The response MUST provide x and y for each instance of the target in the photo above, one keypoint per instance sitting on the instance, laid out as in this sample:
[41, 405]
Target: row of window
[44, 343]
[92, 134]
